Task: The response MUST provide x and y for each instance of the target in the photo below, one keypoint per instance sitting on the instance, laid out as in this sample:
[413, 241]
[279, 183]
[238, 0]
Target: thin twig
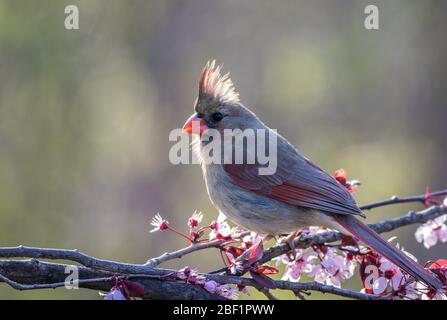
[181, 252]
[267, 293]
[215, 243]
[54, 285]
[73, 255]
[422, 198]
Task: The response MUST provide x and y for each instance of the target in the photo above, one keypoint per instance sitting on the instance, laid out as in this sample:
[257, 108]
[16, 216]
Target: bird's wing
[296, 181]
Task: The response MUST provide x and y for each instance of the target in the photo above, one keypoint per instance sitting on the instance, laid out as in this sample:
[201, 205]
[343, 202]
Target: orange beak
[195, 125]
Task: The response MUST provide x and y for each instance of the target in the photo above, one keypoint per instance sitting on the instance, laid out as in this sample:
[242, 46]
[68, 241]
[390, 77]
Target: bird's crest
[215, 86]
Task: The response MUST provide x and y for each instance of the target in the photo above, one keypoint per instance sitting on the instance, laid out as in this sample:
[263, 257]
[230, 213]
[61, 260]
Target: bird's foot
[267, 238]
[290, 242]
[290, 239]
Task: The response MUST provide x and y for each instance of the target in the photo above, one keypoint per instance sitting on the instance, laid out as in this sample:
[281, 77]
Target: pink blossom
[333, 268]
[214, 225]
[439, 294]
[200, 280]
[250, 239]
[411, 290]
[227, 292]
[159, 223]
[115, 294]
[295, 268]
[380, 285]
[223, 290]
[243, 289]
[211, 286]
[432, 231]
[195, 219]
[187, 274]
[221, 230]
[390, 274]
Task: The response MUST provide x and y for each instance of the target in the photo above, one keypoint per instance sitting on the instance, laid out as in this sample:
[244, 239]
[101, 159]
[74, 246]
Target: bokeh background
[85, 114]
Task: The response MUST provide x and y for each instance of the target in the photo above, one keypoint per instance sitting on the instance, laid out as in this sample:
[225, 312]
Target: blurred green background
[85, 114]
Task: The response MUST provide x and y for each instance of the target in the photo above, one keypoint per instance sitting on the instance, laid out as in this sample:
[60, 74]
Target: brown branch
[75, 256]
[33, 274]
[266, 292]
[181, 252]
[161, 283]
[295, 286]
[422, 198]
[307, 241]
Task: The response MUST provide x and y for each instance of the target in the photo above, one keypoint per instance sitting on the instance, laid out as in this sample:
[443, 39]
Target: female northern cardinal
[298, 194]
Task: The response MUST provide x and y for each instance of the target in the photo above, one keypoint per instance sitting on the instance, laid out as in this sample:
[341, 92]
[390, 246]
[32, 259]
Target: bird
[298, 194]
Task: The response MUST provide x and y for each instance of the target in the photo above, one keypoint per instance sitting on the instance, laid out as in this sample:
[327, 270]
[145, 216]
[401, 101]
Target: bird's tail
[372, 239]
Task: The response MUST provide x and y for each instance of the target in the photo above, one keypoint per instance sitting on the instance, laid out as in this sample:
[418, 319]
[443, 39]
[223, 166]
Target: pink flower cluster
[381, 277]
[432, 231]
[218, 229]
[324, 264]
[333, 265]
[191, 276]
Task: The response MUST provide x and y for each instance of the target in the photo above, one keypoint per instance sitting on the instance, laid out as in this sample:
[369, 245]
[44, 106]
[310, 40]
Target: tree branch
[216, 243]
[98, 274]
[422, 198]
[33, 274]
[307, 241]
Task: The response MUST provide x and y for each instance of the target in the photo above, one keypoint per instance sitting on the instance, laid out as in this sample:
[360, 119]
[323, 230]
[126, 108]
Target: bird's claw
[290, 242]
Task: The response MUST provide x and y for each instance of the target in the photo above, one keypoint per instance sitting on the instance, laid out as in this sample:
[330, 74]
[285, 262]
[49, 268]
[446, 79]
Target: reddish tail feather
[372, 239]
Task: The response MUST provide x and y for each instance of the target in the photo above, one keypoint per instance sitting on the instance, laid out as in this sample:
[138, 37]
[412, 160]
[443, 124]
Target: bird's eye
[217, 116]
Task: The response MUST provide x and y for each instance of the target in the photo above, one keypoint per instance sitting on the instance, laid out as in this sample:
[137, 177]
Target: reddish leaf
[368, 291]
[263, 280]
[265, 270]
[115, 294]
[134, 289]
[440, 268]
[348, 241]
[438, 264]
[255, 252]
[340, 175]
[234, 251]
